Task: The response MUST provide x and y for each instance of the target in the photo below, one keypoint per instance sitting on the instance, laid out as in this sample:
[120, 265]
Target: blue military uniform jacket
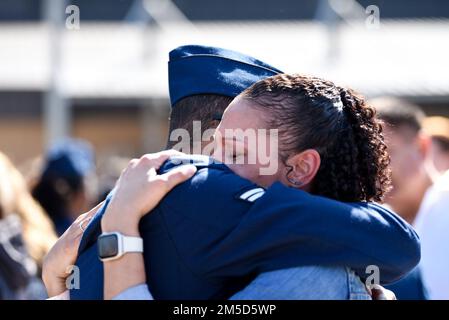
[213, 233]
[410, 287]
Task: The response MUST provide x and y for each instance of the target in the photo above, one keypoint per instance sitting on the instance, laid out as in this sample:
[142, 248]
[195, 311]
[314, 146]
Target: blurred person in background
[438, 130]
[432, 221]
[64, 188]
[409, 150]
[26, 235]
[417, 191]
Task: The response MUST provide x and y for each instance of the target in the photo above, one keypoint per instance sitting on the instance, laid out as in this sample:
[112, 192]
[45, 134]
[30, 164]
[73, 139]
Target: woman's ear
[304, 167]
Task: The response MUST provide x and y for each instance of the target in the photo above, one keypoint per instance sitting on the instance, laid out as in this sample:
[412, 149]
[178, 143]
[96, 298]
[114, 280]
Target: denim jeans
[306, 283]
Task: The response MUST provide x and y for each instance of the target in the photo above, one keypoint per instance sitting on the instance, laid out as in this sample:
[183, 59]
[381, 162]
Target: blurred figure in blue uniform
[62, 189]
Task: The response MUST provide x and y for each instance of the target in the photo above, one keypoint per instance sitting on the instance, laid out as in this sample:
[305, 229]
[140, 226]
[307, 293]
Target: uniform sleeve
[287, 227]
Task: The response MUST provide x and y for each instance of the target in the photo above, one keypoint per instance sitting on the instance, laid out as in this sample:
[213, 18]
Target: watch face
[108, 246]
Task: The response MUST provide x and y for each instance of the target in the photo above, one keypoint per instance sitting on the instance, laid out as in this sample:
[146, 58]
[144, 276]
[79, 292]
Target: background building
[107, 81]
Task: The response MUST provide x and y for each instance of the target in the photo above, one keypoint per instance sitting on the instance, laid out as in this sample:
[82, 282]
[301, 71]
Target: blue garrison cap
[195, 69]
[69, 158]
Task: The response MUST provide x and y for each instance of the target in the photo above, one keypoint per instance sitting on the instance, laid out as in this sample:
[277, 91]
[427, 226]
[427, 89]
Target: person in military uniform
[216, 232]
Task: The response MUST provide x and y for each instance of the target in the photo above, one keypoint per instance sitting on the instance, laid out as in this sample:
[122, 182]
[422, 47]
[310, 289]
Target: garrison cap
[195, 69]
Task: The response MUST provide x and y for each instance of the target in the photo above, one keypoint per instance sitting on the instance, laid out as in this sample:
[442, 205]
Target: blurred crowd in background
[73, 114]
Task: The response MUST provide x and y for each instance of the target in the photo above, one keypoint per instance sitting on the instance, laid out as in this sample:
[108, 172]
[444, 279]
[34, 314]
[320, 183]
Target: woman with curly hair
[330, 142]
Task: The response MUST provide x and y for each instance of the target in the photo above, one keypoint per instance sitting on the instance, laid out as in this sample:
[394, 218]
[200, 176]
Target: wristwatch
[113, 245]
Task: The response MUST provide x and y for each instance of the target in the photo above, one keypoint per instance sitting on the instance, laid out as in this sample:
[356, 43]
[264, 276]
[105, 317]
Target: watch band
[132, 244]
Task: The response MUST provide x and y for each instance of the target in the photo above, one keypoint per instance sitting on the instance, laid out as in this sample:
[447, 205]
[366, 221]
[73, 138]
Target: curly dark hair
[312, 113]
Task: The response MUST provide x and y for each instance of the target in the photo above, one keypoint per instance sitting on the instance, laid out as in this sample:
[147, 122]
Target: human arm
[130, 201]
[138, 191]
[57, 262]
[327, 232]
[286, 228]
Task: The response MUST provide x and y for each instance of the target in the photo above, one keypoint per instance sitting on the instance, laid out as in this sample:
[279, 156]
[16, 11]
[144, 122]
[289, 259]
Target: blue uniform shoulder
[212, 196]
[198, 160]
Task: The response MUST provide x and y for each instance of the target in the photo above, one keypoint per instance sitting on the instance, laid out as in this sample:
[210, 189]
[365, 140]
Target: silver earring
[294, 182]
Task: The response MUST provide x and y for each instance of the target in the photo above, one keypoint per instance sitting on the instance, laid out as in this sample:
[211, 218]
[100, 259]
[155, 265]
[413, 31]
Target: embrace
[219, 226]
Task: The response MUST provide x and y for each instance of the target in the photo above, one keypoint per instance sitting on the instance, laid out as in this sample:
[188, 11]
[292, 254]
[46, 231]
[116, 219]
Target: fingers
[177, 176]
[157, 159]
[94, 210]
[171, 152]
[388, 294]
[377, 294]
[380, 293]
[90, 213]
[79, 225]
[154, 160]
[152, 172]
